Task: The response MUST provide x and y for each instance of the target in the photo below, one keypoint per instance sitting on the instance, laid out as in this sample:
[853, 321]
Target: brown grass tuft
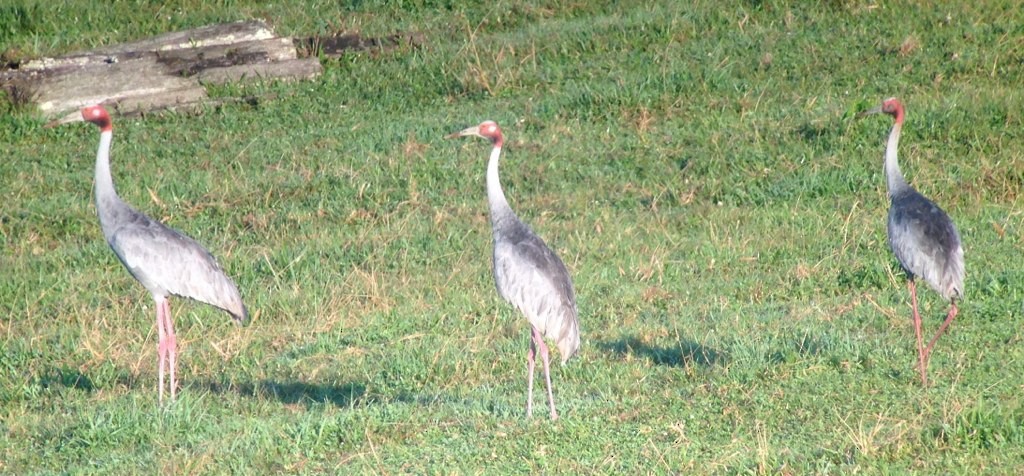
[909, 45]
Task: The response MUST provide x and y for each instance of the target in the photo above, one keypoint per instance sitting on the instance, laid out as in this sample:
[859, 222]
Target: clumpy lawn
[698, 167]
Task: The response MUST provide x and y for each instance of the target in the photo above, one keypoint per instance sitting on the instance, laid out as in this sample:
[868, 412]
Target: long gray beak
[75, 116]
[469, 131]
[875, 110]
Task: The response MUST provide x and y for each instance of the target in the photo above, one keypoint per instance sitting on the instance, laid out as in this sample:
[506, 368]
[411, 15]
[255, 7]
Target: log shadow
[308, 394]
[685, 353]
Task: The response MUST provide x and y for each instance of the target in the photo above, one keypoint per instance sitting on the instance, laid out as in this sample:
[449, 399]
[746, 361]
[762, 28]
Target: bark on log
[170, 70]
[166, 71]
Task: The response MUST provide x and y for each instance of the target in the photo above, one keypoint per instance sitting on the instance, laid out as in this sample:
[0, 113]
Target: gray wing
[532, 278]
[166, 261]
[926, 243]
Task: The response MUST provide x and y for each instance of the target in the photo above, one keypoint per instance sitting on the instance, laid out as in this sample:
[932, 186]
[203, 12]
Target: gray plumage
[529, 275]
[926, 242]
[533, 279]
[922, 237]
[164, 260]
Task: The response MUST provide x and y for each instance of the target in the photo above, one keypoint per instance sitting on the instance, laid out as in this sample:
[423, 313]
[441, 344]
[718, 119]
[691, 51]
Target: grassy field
[697, 166]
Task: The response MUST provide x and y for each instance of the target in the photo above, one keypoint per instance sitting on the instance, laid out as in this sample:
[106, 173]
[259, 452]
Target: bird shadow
[309, 394]
[683, 354]
[67, 378]
[824, 133]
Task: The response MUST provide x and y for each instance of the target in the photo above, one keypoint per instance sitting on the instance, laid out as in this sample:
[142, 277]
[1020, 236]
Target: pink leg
[161, 346]
[945, 324]
[921, 357]
[529, 379]
[546, 359]
[172, 351]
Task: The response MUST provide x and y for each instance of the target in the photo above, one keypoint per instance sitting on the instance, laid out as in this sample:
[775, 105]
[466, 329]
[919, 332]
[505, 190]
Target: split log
[170, 71]
[166, 71]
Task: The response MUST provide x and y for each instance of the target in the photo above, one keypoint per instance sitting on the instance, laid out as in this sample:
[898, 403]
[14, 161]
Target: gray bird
[164, 260]
[529, 275]
[923, 238]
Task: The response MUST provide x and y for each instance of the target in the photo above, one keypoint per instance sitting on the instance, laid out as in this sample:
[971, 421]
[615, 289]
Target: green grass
[697, 166]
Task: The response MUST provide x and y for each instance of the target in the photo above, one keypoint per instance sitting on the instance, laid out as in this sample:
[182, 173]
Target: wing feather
[530, 276]
[926, 243]
[167, 261]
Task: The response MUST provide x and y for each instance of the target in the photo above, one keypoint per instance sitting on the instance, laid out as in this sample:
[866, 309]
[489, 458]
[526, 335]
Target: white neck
[893, 176]
[108, 204]
[104, 183]
[495, 196]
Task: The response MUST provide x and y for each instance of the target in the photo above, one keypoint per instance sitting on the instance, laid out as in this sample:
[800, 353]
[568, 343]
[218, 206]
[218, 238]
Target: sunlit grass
[697, 166]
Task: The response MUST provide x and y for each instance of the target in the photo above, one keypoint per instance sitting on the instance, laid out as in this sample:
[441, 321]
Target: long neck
[107, 201]
[495, 196]
[893, 176]
[104, 183]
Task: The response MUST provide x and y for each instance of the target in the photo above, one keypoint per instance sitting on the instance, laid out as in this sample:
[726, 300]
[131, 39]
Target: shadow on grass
[68, 378]
[294, 392]
[685, 353]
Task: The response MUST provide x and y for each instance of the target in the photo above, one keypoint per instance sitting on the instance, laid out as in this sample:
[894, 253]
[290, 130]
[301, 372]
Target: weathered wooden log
[191, 61]
[139, 81]
[305, 68]
[202, 37]
[170, 70]
[205, 38]
[166, 71]
[191, 100]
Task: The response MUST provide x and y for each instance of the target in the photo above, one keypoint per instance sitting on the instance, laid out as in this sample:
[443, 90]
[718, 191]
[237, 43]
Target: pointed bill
[75, 116]
[874, 110]
[469, 131]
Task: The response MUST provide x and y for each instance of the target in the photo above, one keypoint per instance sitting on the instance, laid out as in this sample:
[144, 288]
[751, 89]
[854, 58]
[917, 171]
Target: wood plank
[192, 61]
[205, 37]
[296, 69]
[212, 35]
[170, 70]
[58, 94]
[192, 100]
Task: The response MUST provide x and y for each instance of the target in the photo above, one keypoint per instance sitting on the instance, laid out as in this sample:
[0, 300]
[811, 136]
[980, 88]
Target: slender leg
[172, 351]
[546, 359]
[529, 379]
[161, 346]
[945, 324]
[921, 357]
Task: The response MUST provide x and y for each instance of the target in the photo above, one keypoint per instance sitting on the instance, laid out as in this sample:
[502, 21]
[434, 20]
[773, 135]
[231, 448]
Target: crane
[922, 236]
[528, 274]
[162, 259]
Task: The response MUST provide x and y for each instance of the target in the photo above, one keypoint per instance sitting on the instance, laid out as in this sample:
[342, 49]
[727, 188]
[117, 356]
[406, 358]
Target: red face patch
[890, 105]
[97, 115]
